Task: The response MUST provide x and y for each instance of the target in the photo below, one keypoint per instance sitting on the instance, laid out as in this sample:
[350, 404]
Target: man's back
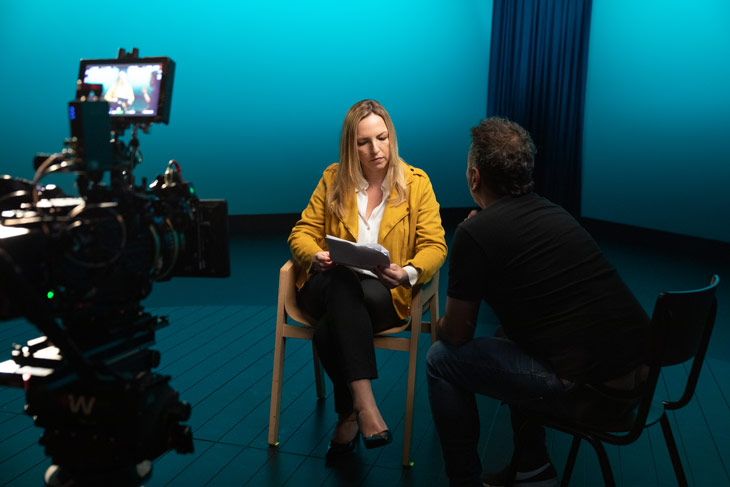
[551, 287]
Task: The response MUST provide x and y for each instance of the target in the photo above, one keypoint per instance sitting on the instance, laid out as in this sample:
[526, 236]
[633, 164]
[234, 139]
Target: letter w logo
[75, 404]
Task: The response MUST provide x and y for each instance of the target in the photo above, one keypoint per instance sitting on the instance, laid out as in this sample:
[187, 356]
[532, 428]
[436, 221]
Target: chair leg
[434, 311]
[673, 452]
[276, 383]
[410, 395]
[603, 460]
[318, 374]
[408, 425]
[570, 463]
[416, 318]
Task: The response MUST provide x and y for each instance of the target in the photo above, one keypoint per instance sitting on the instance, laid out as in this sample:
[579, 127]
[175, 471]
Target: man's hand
[392, 276]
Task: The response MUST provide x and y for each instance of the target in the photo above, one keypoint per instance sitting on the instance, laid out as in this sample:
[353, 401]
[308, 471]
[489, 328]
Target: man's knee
[435, 357]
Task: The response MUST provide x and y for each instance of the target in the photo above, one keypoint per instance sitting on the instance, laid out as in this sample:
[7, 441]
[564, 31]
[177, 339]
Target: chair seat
[600, 417]
[587, 409]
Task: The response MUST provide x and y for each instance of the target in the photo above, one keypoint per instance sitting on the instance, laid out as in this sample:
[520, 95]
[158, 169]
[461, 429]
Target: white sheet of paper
[362, 256]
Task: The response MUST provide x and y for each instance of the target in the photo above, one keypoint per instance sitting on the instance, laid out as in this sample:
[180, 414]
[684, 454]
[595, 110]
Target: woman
[121, 94]
[371, 195]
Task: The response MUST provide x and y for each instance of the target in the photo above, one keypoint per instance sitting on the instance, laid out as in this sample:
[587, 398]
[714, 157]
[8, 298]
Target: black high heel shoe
[377, 440]
[339, 451]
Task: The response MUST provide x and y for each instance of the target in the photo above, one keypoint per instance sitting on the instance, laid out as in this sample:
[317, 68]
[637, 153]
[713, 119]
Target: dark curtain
[537, 74]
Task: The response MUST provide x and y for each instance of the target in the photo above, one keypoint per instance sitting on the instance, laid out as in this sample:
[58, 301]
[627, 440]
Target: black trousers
[350, 308]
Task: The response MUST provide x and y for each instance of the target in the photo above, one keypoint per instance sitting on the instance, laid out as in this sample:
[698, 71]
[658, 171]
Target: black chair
[681, 327]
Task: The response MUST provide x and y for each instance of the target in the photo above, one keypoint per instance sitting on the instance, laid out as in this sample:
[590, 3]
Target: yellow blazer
[411, 231]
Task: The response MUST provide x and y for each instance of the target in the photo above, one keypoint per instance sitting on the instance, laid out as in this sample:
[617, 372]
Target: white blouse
[368, 228]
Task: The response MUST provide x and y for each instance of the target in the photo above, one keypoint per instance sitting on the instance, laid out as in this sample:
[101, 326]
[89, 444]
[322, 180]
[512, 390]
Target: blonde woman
[371, 195]
[120, 94]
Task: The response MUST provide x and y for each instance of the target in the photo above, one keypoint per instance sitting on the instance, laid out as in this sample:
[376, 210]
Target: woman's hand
[471, 214]
[392, 276]
[321, 261]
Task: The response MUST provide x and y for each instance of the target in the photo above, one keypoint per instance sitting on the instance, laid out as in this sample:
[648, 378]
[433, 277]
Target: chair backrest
[686, 318]
[681, 325]
[288, 294]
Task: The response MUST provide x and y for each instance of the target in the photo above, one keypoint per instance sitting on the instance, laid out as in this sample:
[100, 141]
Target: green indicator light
[192, 190]
[50, 294]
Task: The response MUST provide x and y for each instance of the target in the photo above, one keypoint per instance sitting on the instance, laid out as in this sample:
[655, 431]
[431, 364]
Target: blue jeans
[498, 368]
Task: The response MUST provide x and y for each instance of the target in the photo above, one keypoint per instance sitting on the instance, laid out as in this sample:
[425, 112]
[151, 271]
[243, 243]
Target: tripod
[102, 427]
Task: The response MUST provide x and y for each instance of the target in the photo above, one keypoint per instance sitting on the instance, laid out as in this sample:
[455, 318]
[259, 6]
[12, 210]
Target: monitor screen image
[130, 89]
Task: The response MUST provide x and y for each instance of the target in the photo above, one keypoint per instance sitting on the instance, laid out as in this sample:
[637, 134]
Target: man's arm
[459, 321]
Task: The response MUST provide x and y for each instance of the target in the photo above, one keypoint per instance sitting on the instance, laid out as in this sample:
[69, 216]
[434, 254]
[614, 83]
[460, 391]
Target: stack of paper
[362, 256]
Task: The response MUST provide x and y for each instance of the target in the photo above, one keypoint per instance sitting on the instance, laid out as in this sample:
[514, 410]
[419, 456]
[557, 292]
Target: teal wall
[261, 88]
[657, 116]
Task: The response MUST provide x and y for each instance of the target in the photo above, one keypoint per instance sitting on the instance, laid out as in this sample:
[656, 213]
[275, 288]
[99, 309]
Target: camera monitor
[138, 90]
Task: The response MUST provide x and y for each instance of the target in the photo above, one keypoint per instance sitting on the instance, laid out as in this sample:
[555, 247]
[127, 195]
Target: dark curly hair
[504, 153]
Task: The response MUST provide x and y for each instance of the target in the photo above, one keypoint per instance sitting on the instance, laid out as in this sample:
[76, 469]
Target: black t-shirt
[550, 286]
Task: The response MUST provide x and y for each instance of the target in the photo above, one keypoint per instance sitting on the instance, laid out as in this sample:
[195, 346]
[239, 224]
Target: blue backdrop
[261, 88]
[657, 116]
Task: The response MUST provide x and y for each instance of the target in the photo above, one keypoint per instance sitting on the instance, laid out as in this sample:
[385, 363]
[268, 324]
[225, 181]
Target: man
[567, 319]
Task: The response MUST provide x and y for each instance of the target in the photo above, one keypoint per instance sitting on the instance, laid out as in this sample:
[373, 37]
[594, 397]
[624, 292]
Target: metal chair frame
[681, 328]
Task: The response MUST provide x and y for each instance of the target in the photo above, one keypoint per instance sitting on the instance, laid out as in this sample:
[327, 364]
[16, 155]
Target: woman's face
[373, 145]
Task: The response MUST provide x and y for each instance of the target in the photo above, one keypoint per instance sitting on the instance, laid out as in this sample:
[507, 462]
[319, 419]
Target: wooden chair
[681, 327]
[292, 322]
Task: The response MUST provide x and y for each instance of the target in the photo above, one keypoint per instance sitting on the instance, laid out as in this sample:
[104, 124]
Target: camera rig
[78, 267]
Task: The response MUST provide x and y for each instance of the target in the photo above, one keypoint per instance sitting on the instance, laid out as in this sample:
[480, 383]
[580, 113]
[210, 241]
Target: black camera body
[78, 267]
[104, 250]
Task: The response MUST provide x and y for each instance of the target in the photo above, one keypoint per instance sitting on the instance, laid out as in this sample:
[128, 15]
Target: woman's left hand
[392, 276]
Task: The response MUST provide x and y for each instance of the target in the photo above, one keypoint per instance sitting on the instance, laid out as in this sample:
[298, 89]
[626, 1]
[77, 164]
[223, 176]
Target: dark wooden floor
[219, 351]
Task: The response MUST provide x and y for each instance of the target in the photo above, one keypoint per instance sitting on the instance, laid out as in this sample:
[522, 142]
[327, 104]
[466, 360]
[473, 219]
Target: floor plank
[696, 435]
[710, 401]
[242, 468]
[207, 465]
[219, 352]
[23, 454]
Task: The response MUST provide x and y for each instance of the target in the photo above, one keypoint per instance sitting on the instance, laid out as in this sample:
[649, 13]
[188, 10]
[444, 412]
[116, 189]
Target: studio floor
[219, 351]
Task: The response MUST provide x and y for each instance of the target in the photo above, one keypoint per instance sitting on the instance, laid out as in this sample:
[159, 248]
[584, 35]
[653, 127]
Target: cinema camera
[77, 268]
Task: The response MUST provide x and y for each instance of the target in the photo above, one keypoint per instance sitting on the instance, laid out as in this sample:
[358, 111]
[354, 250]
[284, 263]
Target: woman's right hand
[321, 261]
[471, 214]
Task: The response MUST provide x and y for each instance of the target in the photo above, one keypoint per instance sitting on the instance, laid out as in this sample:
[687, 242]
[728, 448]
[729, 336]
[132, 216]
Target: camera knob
[180, 411]
[154, 358]
[181, 438]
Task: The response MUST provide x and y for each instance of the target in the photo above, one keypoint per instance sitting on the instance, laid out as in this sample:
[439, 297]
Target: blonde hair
[349, 173]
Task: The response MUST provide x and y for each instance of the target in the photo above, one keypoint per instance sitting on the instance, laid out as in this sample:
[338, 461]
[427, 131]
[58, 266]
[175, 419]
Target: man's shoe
[545, 476]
